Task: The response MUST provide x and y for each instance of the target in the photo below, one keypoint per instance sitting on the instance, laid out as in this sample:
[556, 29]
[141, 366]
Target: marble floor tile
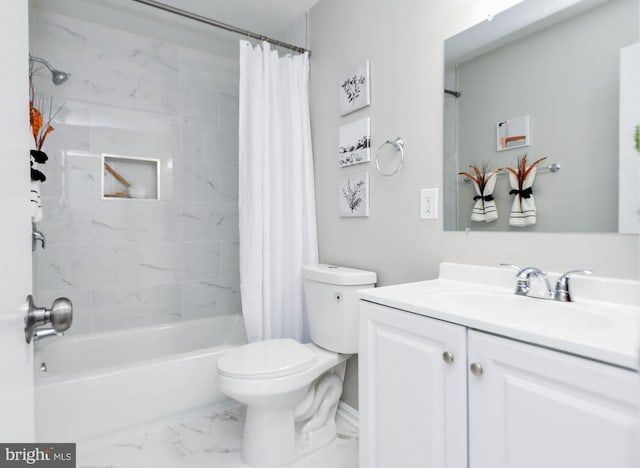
[212, 440]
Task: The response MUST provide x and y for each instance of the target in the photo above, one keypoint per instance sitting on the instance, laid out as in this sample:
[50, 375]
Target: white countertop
[603, 322]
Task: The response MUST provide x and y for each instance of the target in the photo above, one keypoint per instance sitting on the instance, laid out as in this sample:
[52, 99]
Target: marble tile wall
[128, 263]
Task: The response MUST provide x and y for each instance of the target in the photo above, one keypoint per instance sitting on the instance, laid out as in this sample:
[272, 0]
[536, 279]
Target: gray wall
[566, 79]
[404, 42]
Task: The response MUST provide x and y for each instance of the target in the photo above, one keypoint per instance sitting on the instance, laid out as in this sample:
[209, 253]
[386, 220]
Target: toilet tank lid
[334, 274]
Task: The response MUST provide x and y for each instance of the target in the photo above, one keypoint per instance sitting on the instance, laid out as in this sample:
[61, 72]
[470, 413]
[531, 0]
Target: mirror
[546, 81]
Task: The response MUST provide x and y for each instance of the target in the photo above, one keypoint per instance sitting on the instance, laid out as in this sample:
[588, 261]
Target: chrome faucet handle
[523, 286]
[37, 236]
[562, 293]
[511, 265]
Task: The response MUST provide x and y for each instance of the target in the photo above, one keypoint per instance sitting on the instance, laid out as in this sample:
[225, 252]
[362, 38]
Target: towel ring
[398, 145]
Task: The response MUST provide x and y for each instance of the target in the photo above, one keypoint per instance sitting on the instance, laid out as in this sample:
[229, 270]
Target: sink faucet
[523, 285]
[561, 292]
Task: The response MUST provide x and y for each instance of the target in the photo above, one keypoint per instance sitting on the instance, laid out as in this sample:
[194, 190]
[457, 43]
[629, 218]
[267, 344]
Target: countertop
[603, 322]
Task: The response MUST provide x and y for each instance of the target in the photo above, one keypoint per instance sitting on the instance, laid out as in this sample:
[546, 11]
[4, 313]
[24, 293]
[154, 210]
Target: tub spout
[40, 333]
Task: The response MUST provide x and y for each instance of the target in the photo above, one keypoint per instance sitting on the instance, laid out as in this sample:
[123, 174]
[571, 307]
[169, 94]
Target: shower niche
[128, 177]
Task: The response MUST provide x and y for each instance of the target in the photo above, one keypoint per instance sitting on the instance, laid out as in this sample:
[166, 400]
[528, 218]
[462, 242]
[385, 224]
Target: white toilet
[291, 389]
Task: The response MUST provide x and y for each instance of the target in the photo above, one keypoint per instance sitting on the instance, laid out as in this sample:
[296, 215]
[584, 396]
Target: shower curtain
[276, 195]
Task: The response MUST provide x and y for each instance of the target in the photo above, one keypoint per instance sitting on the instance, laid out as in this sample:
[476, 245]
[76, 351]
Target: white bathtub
[100, 383]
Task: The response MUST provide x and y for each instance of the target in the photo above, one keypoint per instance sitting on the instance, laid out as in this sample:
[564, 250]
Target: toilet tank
[332, 304]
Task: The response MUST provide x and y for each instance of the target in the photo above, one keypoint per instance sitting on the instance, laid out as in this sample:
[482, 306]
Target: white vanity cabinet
[413, 404]
[533, 407]
[502, 402]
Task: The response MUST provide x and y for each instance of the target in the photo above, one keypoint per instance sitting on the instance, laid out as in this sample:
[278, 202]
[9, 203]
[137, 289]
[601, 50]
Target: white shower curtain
[276, 198]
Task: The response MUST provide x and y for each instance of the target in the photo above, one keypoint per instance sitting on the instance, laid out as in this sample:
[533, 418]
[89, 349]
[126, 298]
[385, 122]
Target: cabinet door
[533, 407]
[412, 402]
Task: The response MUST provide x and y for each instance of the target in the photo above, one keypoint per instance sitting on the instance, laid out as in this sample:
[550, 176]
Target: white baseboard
[348, 415]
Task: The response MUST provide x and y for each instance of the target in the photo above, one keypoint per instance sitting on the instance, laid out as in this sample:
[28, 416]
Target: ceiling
[272, 18]
[267, 17]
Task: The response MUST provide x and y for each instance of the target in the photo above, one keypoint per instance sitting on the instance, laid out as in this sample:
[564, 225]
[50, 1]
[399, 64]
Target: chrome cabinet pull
[476, 369]
[447, 357]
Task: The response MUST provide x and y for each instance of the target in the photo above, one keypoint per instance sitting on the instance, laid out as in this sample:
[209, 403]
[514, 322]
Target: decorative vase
[37, 157]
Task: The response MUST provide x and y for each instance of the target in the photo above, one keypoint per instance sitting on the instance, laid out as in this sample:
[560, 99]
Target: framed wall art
[354, 142]
[353, 195]
[354, 90]
[513, 133]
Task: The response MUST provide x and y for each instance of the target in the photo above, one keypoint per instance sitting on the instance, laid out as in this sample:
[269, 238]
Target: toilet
[291, 389]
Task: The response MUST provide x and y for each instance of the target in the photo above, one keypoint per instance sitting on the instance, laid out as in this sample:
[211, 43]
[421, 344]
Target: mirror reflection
[543, 84]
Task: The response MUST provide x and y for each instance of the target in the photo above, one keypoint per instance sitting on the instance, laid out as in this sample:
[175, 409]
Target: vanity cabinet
[413, 404]
[492, 402]
[533, 407]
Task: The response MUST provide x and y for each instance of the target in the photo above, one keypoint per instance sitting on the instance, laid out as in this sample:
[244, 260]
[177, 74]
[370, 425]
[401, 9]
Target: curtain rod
[218, 24]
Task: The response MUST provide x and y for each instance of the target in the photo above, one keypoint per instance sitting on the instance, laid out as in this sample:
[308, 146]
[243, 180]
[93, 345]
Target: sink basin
[603, 324]
[518, 311]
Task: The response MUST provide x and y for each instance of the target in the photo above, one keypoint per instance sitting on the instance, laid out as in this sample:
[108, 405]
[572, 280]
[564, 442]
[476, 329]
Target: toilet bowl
[292, 390]
[279, 393]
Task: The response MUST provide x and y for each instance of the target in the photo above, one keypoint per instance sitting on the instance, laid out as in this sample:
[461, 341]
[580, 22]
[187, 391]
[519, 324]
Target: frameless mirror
[555, 81]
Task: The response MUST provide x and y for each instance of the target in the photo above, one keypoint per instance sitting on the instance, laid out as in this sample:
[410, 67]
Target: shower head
[58, 77]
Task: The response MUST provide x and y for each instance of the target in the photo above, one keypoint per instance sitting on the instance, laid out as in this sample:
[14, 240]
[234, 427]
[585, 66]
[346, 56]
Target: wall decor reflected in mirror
[553, 75]
[512, 133]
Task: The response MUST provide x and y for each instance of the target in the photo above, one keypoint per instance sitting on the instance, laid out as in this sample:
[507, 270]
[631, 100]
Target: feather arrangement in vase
[40, 129]
[484, 183]
[523, 210]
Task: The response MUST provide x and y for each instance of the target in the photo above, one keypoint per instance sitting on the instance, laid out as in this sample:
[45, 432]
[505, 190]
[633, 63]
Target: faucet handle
[37, 236]
[511, 265]
[562, 285]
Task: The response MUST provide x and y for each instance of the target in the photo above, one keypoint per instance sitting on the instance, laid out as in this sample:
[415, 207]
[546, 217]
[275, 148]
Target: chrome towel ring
[398, 145]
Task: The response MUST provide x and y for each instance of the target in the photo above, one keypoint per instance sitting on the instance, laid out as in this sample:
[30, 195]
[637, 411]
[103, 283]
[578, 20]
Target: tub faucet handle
[37, 236]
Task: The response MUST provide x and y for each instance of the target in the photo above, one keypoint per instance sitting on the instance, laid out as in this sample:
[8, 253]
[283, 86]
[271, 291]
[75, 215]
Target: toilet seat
[266, 359]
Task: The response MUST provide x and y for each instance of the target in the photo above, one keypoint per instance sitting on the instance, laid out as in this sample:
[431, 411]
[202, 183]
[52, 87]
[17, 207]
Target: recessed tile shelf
[127, 177]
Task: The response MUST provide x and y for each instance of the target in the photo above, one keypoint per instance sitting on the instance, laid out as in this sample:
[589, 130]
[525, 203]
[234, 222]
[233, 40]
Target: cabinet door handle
[476, 369]
[447, 357]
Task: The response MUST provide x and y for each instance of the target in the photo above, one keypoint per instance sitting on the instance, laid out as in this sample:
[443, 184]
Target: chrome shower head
[58, 77]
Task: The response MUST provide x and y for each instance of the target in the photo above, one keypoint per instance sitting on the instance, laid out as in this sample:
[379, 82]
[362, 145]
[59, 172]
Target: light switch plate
[429, 203]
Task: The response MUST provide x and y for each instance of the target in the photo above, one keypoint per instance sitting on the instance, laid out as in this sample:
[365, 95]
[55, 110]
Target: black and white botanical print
[353, 90]
[353, 195]
[354, 141]
[352, 87]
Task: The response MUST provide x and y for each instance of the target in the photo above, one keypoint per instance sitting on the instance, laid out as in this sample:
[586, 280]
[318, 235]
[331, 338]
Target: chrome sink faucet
[561, 292]
[523, 286]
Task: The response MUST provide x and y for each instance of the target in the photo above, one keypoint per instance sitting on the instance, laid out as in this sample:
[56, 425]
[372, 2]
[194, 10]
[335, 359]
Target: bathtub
[100, 383]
